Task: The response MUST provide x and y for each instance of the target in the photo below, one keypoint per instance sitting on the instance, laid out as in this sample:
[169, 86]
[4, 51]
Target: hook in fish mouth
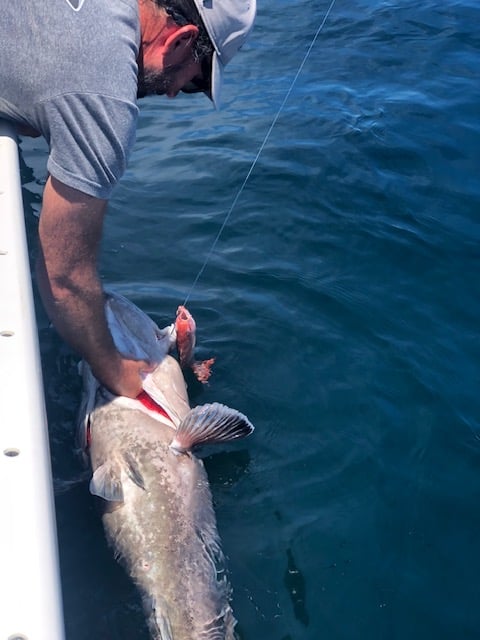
[182, 313]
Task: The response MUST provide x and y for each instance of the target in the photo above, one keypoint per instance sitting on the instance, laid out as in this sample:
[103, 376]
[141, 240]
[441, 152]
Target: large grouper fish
[157, 506]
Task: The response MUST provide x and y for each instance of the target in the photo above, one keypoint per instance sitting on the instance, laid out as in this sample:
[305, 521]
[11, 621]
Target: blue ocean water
[342, 304]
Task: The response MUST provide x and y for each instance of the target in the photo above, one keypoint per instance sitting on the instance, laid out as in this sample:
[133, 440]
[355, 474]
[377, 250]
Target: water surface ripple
[342, 304]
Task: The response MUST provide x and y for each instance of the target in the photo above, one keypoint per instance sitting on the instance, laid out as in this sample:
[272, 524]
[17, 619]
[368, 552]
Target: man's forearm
[75, 306]
[70, 230]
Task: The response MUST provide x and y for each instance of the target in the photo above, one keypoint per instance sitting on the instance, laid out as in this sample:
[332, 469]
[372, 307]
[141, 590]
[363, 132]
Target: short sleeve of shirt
[90, 138]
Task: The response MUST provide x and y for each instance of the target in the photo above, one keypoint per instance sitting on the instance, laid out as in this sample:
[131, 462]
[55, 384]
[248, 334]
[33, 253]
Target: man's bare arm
[70, 231]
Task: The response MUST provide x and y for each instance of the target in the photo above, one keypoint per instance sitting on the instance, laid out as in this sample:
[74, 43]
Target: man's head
[199, 38]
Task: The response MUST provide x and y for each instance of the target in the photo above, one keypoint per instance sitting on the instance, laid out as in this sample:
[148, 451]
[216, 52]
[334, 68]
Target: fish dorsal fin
[208, 424]
[106, 482]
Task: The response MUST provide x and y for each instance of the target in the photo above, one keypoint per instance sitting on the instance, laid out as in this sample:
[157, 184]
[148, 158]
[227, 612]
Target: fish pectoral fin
[106, 482]
[133, 470]
[209, 424]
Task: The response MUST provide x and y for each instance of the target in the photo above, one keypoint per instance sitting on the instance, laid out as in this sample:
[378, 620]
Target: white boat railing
[30, 592]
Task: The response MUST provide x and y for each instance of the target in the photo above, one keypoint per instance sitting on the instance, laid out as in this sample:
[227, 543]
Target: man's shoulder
[90, 136]
[89, 46]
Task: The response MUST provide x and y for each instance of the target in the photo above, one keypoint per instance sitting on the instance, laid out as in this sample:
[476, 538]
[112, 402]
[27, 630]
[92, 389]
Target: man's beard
[153, 83]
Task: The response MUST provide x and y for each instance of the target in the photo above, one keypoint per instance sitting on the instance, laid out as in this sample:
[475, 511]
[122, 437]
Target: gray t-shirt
[68, 68]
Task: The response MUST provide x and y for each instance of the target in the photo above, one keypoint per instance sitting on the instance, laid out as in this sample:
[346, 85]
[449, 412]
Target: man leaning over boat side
[72, 71]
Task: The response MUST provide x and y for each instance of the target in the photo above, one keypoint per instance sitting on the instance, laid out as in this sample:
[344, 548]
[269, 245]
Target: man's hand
[124, 377]
[70, 231]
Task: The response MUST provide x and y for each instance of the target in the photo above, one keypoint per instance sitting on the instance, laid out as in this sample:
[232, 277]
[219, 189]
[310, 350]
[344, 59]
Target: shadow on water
[295, 584]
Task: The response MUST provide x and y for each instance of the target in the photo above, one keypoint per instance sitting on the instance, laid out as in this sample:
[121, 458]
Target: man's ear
[179, 44]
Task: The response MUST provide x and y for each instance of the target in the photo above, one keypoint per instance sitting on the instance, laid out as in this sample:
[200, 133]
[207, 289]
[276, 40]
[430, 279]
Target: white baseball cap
[228, 23]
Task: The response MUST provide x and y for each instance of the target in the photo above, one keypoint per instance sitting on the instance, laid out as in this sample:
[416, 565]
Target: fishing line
[262, 146]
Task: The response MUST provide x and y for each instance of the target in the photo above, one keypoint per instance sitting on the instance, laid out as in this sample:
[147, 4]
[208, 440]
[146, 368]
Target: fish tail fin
[209, 424]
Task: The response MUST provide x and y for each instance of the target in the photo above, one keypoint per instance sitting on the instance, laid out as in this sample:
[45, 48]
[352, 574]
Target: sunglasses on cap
[201, 84]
